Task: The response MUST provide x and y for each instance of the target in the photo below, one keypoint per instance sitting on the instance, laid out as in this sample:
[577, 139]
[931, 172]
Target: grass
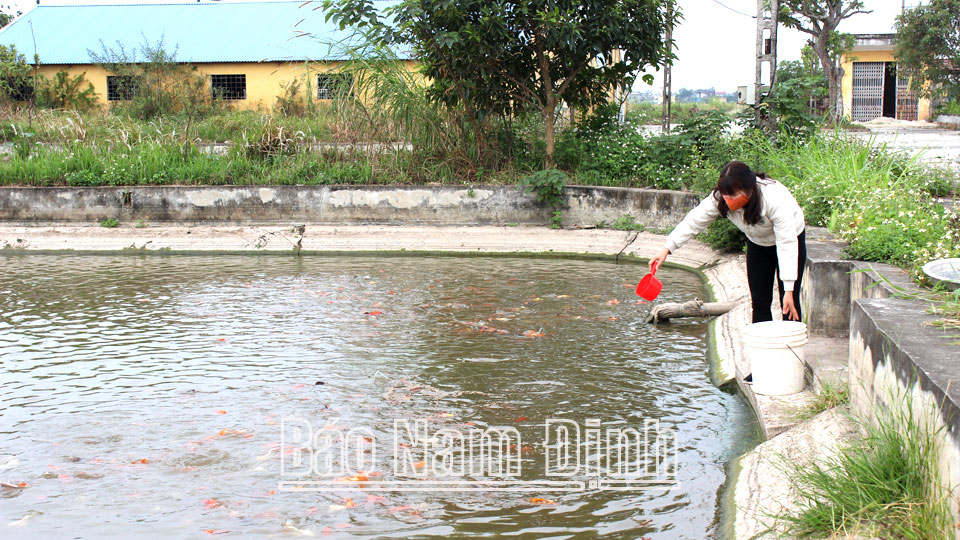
[885, 485]
[832, 394]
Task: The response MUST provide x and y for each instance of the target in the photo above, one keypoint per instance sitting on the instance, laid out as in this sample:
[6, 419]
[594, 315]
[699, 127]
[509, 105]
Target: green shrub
[16, 79]
[547, 185]
[723, 235]
[66, 92]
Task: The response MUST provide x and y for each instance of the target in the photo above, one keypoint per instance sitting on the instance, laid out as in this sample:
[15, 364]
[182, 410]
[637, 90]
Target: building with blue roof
[247, 50]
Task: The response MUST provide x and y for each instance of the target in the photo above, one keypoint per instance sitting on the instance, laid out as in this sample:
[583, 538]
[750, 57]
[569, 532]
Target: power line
[735, 11]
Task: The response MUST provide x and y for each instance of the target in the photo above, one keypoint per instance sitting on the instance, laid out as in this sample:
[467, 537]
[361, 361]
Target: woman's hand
[659, 258]
[789, 309]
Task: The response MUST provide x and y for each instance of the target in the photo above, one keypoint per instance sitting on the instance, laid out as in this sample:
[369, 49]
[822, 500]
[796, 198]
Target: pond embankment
[860, 334]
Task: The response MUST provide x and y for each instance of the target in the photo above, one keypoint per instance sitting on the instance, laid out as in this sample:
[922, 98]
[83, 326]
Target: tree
[501, 56]
[820, 19]
[15, 75]
[928, 47]
[790, 100]
[6, 18]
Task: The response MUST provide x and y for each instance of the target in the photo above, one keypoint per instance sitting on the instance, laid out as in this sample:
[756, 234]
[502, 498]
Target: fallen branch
[692, 308]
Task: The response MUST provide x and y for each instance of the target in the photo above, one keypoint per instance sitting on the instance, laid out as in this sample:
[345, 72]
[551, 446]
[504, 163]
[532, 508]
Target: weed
[556, 219]
[548, 186]
[832, 394]
[109, 223]
[626, 223]
[886, 485]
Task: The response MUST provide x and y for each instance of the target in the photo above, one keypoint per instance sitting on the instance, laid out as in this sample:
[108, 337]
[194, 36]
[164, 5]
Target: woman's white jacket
[781, 221]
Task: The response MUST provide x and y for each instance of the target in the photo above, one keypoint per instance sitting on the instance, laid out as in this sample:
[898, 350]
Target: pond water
[143, 396]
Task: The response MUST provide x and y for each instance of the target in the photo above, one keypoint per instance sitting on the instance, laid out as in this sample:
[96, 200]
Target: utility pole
[767, 11]
[667, 92]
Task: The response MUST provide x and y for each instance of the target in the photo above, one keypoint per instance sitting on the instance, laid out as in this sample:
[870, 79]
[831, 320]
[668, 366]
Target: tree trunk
[692, 308]
[830, 71]
[833, 74]
[549, 125]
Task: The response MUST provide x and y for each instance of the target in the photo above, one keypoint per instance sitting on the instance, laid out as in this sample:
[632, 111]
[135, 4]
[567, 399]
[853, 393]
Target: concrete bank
[433, 205]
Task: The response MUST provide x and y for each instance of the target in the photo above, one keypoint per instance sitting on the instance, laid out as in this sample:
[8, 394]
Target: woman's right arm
[695, 222]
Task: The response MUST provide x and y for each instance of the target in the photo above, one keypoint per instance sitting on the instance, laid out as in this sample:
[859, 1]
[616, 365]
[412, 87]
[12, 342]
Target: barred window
[334, 85]
[229, 86]
[122, 87]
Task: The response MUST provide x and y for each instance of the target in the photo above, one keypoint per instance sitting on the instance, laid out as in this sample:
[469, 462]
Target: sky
[716, 40]
[716, 45]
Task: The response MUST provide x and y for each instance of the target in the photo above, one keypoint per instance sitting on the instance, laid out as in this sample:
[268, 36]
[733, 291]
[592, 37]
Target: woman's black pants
[761, 266]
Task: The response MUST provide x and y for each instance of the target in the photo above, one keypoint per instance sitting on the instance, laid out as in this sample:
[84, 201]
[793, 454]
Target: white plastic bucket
[775, 352]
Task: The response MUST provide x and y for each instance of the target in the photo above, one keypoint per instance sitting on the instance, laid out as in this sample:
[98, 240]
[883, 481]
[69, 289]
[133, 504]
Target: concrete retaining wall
[901, 364]
[435, 205]
[897, 360]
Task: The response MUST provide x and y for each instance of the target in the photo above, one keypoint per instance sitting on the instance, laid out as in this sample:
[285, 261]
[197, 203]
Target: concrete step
[826, 359]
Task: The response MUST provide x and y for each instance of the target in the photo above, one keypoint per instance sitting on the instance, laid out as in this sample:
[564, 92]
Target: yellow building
[247, 51]
[871, 87]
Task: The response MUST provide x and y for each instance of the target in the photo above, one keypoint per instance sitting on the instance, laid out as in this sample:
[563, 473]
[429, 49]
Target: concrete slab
[826, 359]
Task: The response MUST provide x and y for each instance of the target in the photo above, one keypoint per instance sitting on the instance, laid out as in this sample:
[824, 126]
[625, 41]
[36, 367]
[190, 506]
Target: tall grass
[887, 485]
[876, 199]
[832, 394]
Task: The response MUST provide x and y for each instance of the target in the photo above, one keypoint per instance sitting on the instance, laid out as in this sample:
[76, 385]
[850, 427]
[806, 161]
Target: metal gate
[867, 91]
[907, 102]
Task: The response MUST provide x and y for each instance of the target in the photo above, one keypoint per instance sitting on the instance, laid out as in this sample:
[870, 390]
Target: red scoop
[649, 287]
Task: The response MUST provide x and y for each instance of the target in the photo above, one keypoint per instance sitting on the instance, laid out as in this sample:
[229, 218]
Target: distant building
[647, 96]
[872, 87]
[245, 50]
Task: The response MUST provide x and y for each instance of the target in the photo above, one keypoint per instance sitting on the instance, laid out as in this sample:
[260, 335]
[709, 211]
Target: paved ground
[934, 146]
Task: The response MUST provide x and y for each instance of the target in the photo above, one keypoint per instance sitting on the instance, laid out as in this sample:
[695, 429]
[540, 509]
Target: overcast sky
[716, 41]
[716, 45]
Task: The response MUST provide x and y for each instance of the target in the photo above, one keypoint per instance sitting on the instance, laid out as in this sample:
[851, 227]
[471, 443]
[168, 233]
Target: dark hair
[737, 176]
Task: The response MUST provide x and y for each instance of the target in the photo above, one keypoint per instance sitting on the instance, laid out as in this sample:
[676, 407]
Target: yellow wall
[263, 79]
[846, 84]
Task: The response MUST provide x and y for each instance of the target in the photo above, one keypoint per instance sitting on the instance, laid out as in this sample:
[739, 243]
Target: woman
[767, 213]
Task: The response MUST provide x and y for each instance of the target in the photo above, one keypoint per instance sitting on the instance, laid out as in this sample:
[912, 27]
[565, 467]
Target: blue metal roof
[198, 32]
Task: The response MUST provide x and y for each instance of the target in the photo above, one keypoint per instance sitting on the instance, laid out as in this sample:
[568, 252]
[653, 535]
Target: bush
[66, 92]
[601, 151]
[16, 80]
[293, 102]
[723, 235]
[156, 83]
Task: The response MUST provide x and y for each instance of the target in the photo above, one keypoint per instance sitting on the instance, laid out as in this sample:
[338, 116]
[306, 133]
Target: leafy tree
[797, 84]
[820, 19]
[928, 46]
[504, 56]
[16, 82]
[6, 18]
